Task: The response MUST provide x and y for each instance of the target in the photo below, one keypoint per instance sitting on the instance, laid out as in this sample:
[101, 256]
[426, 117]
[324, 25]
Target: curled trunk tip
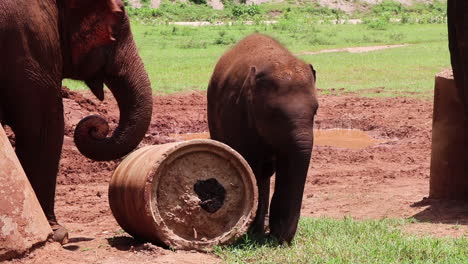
[88, 132]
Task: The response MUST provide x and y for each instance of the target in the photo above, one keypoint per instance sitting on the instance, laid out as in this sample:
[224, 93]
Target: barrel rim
[173, 240]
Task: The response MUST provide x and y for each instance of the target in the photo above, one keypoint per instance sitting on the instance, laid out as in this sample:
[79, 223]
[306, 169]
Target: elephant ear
[96, 84]
[249, 82]
[313, 72]
[91, 25]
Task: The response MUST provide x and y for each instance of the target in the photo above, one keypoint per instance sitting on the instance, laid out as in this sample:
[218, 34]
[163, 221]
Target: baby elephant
[262, 102]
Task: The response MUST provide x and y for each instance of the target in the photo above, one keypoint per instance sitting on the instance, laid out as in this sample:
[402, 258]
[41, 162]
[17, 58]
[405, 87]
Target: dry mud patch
[389, 179]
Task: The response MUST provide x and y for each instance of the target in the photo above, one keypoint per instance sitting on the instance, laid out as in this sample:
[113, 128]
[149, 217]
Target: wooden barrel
[186, 195]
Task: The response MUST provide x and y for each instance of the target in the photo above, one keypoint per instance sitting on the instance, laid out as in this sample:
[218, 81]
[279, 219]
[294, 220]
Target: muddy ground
[389, 179]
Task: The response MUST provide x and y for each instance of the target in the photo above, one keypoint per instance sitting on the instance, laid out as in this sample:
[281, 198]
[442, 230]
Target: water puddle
[344, 138]
[190, 136]
[341, 138]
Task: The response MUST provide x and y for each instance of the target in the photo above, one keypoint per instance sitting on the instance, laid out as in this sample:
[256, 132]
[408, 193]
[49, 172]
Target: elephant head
[98, 47]
[282, 103]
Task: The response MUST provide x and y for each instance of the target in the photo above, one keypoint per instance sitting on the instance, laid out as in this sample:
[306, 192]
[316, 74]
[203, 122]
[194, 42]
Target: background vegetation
[180, 58]
[198, 10]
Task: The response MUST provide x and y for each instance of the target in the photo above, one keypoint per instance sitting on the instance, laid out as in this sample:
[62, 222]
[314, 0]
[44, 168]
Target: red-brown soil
[387, 180]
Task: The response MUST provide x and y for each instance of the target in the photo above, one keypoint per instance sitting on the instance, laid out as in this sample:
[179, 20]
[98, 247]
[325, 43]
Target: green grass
[348, 241]
[407, 70]
[180, 58]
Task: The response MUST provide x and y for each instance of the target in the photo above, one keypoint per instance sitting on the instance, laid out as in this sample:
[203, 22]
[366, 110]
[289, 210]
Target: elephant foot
[267, 224]
[60, 233]
[260, 226]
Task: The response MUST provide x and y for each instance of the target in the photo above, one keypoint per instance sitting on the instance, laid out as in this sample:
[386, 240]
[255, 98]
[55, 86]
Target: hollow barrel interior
[200, 195]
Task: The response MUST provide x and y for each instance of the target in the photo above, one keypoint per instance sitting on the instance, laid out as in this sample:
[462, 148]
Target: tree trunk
[449, 160]
[23, 224]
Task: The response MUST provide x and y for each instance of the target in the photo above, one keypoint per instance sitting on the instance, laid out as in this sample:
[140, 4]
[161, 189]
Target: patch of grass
[180, 58]
[348, 241]
[399, 71]
[380, 23]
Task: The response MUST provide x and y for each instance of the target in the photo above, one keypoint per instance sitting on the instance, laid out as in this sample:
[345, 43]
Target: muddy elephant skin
[45, 41]
[262, 102]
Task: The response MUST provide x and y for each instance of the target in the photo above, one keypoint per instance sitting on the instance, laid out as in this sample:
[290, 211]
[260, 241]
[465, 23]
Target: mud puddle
[190, 136]
[344, 138]
[341, 138]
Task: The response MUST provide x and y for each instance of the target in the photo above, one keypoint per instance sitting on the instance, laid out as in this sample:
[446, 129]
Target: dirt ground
[355, 49]
[389, 179]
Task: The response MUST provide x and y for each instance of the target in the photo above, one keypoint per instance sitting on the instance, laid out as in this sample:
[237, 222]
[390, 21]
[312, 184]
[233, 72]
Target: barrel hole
[211, 194]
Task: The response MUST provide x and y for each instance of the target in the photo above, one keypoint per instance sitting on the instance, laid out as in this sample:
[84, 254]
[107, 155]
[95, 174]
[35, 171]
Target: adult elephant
[458, 42]
[262, 102]
[44, 41]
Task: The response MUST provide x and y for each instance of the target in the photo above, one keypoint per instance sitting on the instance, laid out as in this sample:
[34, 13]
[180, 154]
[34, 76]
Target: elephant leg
[285, 209]
[258, 226]
[38, 125]
[262, 173]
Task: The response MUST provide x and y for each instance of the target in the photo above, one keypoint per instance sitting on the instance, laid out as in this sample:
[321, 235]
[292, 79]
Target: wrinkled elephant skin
[262, 102]
[45, 41]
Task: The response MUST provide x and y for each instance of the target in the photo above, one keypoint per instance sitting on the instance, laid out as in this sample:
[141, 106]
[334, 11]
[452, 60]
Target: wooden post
[449, 159]
[23, 224]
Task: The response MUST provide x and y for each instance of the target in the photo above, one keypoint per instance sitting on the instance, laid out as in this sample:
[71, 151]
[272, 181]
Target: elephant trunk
[130, 85]
[291, 171]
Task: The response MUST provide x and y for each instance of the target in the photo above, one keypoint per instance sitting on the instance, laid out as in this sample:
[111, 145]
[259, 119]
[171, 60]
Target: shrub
[316, 9]
[199, 2]
[245, 10]
[224, 39]
[388, 6]
[194, 44]
[145, 3]
[380, 23]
